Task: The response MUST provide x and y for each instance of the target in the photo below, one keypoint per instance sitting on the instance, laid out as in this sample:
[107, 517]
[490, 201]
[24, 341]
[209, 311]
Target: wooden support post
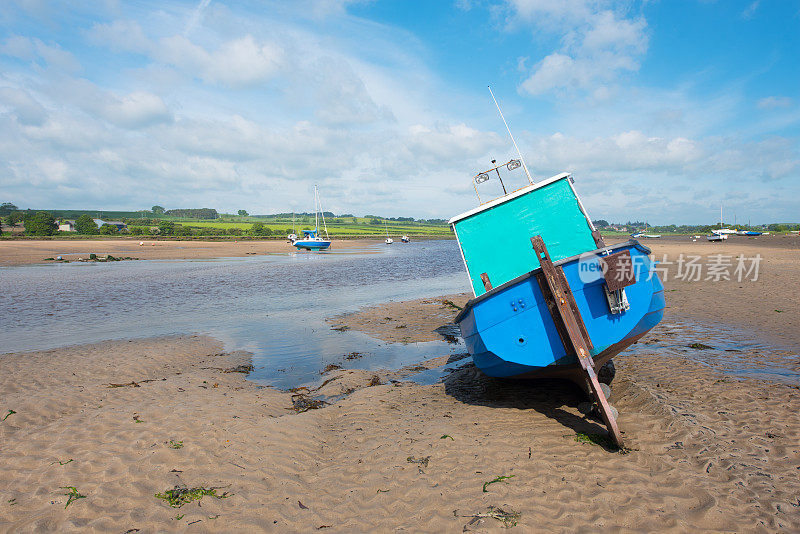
[598, 239]
[578, 337]
[487, 284]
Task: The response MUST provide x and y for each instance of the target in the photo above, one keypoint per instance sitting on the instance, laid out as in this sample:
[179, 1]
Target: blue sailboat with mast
[311, 239]
[551, 299]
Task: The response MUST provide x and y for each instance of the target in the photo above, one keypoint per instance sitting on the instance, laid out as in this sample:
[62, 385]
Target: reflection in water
[723, 348]
[273, 305]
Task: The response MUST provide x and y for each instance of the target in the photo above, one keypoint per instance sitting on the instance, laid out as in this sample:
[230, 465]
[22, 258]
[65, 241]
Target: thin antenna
[324, 224]
[510, 135]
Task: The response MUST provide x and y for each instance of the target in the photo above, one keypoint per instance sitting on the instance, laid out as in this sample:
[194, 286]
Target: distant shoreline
[81, 237]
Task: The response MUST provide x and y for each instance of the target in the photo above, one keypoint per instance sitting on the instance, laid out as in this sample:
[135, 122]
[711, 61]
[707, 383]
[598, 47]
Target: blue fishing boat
[510, 332]
[311, 239]
[550, 298]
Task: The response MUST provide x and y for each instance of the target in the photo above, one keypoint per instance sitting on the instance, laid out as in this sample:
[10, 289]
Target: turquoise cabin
[495, 237]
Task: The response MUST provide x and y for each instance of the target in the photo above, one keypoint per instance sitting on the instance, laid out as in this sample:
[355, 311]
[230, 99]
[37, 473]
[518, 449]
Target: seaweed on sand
[330, 367]
[302, 403]
[597, 439]
[73, 494]
[180, 495]
[421, 461]
[246, 369]
[509, 517]
[498, 479]
[131, 384]
[451, 304]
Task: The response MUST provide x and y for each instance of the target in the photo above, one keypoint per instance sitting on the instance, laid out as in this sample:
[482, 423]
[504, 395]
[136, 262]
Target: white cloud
[18, 47]
[625, 151]
[197, 14]
[249, 109]
[235, 63]
[772, 102]
[597, 44]
[135, 110]
[751, 9]
[27, 109]
[342, 95]
[120, 35]
[31, 49]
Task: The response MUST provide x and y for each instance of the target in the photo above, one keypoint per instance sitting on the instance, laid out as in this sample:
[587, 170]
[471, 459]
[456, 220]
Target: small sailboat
[722, 233]
[645, 235]
[389, 240]
[405, 239]
[293, 236]
[311, 239]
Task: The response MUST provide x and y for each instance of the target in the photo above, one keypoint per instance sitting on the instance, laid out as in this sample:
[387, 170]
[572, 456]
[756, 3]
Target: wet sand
[707, 451]
[25, 252]
[768, 307]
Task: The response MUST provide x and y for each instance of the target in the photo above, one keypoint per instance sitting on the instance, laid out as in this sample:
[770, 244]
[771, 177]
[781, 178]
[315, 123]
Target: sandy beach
[117, 423]
[25, 252]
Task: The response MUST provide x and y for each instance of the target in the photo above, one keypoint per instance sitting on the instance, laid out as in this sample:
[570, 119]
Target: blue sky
[663, 110]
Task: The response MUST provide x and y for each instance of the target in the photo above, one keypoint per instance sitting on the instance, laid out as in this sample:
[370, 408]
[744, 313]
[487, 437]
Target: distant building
[119, 224]
[66, 226]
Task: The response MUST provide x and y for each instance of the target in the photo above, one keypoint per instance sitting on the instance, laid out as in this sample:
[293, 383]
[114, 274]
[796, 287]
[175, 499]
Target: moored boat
[312, 240]
[508, 327]
[551, 299]
[716, 236]
[510, 332]
[388, 240]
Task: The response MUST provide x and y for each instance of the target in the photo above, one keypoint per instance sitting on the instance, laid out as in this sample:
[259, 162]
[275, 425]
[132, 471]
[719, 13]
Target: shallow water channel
[272, 305]
[275, 307]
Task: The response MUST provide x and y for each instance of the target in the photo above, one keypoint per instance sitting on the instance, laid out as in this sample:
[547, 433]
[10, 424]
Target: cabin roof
[510, 196]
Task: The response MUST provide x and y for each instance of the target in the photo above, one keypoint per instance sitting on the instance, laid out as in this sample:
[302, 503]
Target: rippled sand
[710, 450]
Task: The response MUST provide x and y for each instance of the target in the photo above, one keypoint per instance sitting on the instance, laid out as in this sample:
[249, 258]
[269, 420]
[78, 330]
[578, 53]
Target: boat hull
[312, 245]
[510, 332]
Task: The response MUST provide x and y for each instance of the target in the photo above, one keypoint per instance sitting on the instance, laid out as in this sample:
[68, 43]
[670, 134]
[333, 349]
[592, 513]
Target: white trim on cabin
[464, 259]
[580, 205]
[511, 196]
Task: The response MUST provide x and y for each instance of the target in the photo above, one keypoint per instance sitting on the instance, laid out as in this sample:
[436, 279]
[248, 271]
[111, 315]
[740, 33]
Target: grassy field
[337, 227]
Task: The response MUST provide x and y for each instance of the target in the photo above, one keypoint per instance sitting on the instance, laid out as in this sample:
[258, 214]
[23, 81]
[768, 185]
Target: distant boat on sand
[722, 233]
[311, 239]
[645, 235]
[389, 240]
